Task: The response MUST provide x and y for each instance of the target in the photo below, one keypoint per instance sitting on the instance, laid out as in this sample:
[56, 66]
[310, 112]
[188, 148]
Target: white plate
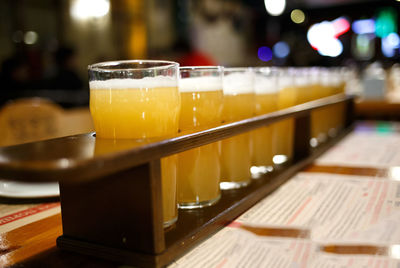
[16, 189]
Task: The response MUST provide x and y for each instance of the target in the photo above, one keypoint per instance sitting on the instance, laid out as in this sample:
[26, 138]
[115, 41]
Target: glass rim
[201, 68]
[269, 70]
[101, 66]
[238, 69]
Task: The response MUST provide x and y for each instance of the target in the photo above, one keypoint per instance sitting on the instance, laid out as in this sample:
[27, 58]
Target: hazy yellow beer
[139, 108]
[199, 169]
[266, 97]
[238, 105]
[283, 139]
[336, 111]
[303, 85]
[317, 115]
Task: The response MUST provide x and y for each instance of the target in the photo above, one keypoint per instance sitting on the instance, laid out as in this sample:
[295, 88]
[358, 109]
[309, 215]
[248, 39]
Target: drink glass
[201, 108]
[336, 111]
[266, 97]
[316, 118]
[239, 104]
[303, 85]
[284, 134]
[324, 113]
[139, 100]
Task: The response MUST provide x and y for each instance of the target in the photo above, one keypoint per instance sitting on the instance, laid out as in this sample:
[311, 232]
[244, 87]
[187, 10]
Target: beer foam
[301, 80]
[265, 85]
[238, 83]
[129, 83]
[195, 84]
[285, 81]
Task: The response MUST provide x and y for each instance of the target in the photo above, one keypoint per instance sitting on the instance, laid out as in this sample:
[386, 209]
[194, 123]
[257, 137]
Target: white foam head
[285, 81]
[196, 84]
[325, 78]
[265, 84]
[129, 83]
[238, 83]
[301, 80]
[314, 77]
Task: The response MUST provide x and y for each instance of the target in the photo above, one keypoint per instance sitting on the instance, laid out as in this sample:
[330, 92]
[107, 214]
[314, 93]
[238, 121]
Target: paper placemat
[333, 208]
[15, 216]
[367, 147]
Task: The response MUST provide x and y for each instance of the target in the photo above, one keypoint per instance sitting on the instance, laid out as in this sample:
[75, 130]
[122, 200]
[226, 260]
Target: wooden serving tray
[110, 191]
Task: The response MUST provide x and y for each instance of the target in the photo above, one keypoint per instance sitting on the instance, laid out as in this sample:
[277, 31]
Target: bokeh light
[30, 37]
[265, 53]
[281, 49]
[393, 40]
[389, 44]
[364, 48]
[297, 16]
[86, 9]
[366, 26]
[275, 7]
[324, 36]
[386, 22]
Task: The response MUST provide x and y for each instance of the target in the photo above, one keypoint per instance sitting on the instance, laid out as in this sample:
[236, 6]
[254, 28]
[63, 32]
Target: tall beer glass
[201, 108]
[316, 118]
[139, 100]
[336, 111]
[303, 85]
[284, 133]
[325, 117]
[266, 97]
[238, 105]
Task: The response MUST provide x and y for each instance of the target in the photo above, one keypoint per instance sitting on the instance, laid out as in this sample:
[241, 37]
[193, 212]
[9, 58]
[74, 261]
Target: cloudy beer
[143, 107]
[238, 105]
[265, 102]
[201, 107]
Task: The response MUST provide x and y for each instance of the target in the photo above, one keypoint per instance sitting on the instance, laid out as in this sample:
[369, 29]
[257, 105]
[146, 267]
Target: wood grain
[73, 159]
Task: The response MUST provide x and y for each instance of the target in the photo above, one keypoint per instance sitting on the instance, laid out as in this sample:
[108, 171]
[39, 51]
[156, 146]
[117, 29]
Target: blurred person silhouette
[14, 74]
[65, 75]
[14, 77]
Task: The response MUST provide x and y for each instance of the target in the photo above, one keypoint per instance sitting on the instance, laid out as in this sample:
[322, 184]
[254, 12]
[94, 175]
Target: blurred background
[46, 45]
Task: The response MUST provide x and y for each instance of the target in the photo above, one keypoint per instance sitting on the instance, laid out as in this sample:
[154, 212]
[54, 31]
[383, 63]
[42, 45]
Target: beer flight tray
[111, 203]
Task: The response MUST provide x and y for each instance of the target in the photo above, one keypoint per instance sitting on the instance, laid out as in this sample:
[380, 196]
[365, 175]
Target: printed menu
[333, 208]
[335, 211]
[15, 216]
[233, 247]
[366, 147]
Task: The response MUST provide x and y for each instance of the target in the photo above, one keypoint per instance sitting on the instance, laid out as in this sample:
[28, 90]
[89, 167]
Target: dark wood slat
[73, 159]
[122, 210]
[302, 129]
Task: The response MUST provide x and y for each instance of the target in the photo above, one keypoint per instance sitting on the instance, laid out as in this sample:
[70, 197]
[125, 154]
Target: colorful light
[386, 22]
[324, 36]
[393, 40]
[281, 49]
[389, 44]
[366, 26]
[340, 26]
[297, 16]
[265, 53]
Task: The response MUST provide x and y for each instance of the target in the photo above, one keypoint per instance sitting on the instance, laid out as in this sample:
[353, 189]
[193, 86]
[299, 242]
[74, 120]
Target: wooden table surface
[34, 245]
